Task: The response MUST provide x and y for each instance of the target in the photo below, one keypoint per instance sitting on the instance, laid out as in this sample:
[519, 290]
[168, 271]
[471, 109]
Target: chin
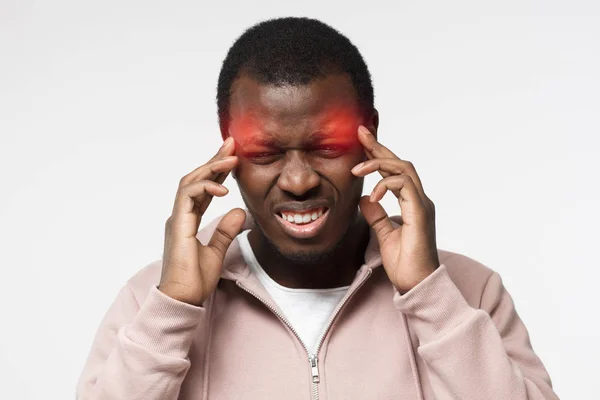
[305, 251]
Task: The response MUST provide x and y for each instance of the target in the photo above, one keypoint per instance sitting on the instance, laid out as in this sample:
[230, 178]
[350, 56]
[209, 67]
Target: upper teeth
[302, 217]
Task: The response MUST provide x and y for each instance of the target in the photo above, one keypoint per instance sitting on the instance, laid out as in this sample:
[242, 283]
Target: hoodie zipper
[312, 357]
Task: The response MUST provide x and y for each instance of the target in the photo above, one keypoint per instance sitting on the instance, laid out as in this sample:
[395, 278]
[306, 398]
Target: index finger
[373, 148]
[227, 149]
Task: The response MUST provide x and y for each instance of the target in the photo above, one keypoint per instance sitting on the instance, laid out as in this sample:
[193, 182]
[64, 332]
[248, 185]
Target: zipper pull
[314, 368]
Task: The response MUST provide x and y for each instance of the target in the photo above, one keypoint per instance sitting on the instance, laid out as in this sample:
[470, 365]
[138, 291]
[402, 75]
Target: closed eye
[262, 157]
[331, 150]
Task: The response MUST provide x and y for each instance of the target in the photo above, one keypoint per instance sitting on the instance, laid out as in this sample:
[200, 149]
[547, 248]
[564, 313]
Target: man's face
[296, 146]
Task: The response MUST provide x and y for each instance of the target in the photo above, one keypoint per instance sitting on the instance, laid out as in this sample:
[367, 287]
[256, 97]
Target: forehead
[292, 109]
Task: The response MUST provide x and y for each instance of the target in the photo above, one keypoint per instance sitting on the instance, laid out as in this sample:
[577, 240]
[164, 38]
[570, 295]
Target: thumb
[377, 218]
[228, 228]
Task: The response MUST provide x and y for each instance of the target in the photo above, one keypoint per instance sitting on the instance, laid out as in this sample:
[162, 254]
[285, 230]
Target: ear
[224, 128]
[372, 123]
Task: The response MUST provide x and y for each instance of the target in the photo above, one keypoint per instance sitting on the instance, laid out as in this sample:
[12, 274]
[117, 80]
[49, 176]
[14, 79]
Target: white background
[105, 105]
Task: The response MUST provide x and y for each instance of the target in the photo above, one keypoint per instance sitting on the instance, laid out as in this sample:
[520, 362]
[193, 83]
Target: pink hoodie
[456, 335]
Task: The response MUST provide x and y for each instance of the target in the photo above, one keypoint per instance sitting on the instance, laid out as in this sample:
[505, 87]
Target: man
[312, 292]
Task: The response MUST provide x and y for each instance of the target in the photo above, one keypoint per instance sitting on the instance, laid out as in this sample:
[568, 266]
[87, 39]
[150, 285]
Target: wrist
[181, 293]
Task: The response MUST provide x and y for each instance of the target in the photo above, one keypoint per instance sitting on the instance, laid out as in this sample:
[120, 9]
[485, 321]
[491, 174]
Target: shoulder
[470, 276]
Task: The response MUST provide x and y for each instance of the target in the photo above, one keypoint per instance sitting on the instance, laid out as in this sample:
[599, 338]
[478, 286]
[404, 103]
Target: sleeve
[473, 353]
[140, 352]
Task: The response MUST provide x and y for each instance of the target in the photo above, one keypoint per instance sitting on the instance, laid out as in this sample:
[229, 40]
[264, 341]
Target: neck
[338, 269]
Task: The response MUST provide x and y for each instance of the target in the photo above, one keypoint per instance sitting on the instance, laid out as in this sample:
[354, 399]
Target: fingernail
[226, 142]
[364, 130]
[358, 166]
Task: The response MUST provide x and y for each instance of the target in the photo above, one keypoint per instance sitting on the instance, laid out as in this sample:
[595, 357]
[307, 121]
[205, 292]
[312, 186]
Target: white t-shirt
[307, 310]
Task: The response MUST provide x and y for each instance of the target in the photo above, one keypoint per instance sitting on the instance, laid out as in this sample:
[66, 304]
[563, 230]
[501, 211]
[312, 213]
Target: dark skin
[314, 148]
[298, 165]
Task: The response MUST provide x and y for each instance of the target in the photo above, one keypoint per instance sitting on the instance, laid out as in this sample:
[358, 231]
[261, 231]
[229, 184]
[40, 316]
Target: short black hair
[292, 50]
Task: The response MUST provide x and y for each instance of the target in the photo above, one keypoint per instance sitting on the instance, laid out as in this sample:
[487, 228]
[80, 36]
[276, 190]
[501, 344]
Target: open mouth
[304, 217]
[303, 224]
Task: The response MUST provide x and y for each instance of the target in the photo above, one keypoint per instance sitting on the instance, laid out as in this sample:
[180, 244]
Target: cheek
[338, 172]
[341, 166]
[253, 180]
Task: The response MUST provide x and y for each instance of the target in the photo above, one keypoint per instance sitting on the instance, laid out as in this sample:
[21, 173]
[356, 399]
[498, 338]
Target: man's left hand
[408, 252]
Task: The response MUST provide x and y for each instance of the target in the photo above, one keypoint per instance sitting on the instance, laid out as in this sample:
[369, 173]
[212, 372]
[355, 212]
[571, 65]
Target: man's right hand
[191, 270]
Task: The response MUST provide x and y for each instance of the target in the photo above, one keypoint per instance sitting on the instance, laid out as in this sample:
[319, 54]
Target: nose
[297, 175]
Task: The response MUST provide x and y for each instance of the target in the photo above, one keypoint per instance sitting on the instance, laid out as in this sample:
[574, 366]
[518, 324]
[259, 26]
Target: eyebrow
[322, 136]
[259, 141]
[269, 142]
[266, 140]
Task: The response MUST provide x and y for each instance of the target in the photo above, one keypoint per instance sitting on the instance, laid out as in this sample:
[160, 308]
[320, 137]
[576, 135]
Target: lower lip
[304, 231]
